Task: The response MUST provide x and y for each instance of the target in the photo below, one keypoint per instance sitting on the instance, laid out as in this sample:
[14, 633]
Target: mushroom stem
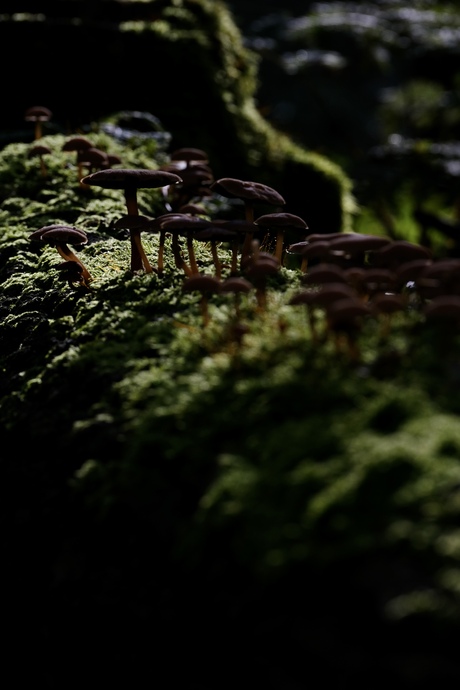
[191, 254]
[139, 258]
[131, 200]
[216, 260]
[66, 253]
[161, 252]
[178, 259]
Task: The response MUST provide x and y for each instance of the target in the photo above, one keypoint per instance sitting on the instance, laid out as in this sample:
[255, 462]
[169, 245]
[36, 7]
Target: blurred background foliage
[376, 87]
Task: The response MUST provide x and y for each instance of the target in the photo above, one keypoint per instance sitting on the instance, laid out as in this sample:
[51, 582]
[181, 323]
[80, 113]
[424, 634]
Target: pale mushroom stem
[234, 263]
[161, 251]
[66, 253]
[139, 258]
[178, 259]
[191, 254]
[216, 260]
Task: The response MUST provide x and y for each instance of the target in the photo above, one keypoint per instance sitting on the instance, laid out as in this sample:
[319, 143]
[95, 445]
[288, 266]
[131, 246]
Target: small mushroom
[344, 318]
[215, 234]
[251, 194]
[188, 226]
[38, 114]
[60, 236]
[137, 224]
[282, 223]
[206, 285]
[258, 268]
[236, 285]
[76, 145]
[130, 180]
[38, 151]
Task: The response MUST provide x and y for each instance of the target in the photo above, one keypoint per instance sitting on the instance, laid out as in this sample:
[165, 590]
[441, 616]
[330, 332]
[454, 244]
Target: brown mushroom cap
[137, 222]
[444, 308]
[54, 234]
[236, 284]
[324, 273]
[188, 154]
[387, 303]
[92, 156]
[38, 150]
[257, 192]
[286, 221]
[399, 251]
[354, 242]
[122, 178]
[38, 113]
[76, 144]
[201, 283]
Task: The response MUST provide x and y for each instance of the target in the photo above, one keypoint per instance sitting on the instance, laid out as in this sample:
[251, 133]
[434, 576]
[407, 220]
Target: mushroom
[187, 225]
[206, 285]
[38, 114]
[252, 194]
[130, 180]
[215, 234]
[241, 229]
[344, 317]
[384, 305]
[136, 224]
[92, 158]
[281, 223]
[444, 309]
[323, 273]
[258, 267]
[77, 144]
[60, 236]
[236, 285]
[38, 151]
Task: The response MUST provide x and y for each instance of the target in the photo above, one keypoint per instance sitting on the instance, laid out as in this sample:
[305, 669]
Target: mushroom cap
[346, 310]
[183, 223]
[400, 251]
[216, 233]
[54, 234]
[257, 192]
[332, 292]
[93, 156]
[236, 284]
[444, 307]
[76, 144]
[38, 112]
[123, 178]
[324, 273]
[387, 303]
[281, 220]
[201, 283]
[188, 154]
[313, 249]
[133, 222]
[355, 242]
[38, 150]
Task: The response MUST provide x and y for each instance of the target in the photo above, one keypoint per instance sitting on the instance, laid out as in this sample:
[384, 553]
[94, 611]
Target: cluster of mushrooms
[345, 277]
